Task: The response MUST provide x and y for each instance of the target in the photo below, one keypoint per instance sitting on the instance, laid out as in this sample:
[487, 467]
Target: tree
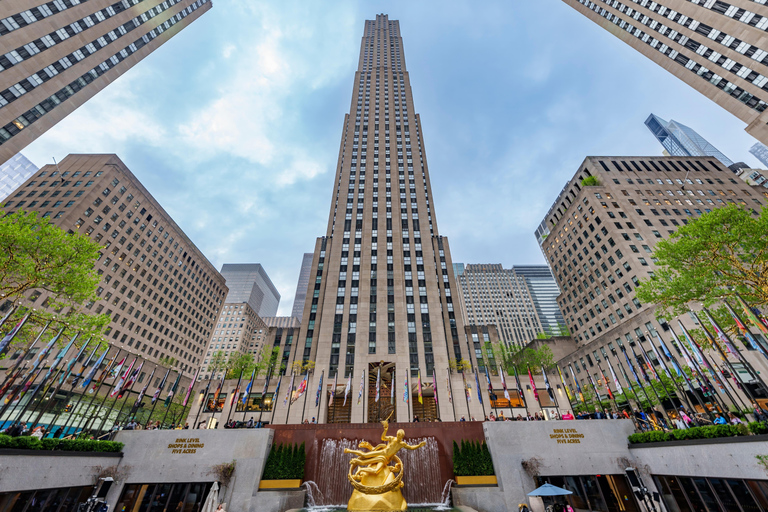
[590, 181]
[711, 259]
[218, 362]
[37, 257]
[521, 360]
[240, 363]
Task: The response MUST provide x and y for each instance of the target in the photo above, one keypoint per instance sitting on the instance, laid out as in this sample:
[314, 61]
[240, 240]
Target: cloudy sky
[234, 125]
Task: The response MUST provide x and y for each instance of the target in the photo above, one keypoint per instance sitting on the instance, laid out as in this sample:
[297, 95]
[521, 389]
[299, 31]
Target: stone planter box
[280, 484]
[476, 480]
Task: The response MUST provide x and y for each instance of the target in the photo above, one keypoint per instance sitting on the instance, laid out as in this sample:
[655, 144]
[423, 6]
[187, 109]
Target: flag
[72, 361]
[333, 389]
[418, 387]
[605, 380]
[519, 387]
[448, 387]
[235, 395]
[720, 334]
[162, 385]
[144, 389]
[301, 389]
[12, 333]
[319, 389]
[276, 394]
[477, 384]
[130, 380]
[578, 387]
[567, 389]
[392, 389]
[44, 353]
[667, 353]
[488, 378]
[546, 383]
[95, 368]
[533, 386]
[467, 387]
[80, 372]
[650, 365]
[631, 367]
[405, 389]
[684, 351]
[378, 383]
[247, 392]
[745, 331]
[658, 356]
[347, 388]
[290, 389]
[120, 382]
[434, 385]
[619, 389]
[504, 385]
[362, 385]
[173, 390]
[114, 372]
[752, 316]
[189, 389]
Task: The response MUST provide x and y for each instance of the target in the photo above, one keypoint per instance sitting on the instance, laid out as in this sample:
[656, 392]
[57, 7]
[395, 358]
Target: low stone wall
[25, 470]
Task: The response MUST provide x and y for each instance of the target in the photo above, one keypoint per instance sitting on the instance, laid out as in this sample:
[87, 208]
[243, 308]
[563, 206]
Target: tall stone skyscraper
[57, 55]
[382, 295]
[718, 48]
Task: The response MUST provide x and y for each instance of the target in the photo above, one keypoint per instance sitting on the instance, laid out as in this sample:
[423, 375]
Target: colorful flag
[467, 387]
[605, 380]
[720, 334]
[405, 390]
[667, 353]
[144, 389]
[12, 333]
[684, 351]
[550, 392]
[479, 393]
[235, 395]
[72, 361]
[347, 388]
[752, 316]
[134, 375]
[189, 389]
[302, 386]
[418, 387]
[80, 372]
[121, 381]
[165, 377]
[578, 386]
[631, 367]
[362, 387]
[745, 331]
[488, 378]
[290, 389]
[319, 389]
[44, 353]
[333, 389]
[92, 373]
[378, 383]
[565, 385]
[247, 392]
[616, 382]
[533, 386]
[648, 363]
[519, 387]
[448, 387]
[504, 384]
[114, 372]
[434, 385]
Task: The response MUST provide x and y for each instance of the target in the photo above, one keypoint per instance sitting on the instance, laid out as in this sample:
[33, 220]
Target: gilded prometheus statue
[377, 484]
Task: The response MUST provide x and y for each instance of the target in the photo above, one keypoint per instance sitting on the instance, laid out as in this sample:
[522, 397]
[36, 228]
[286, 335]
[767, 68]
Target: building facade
[760, 151]
[14, 173]
[493, 295]
[599, 243]
[544, 292]
[716, 47]
[57, 55]
[301, 288]
[680, 140]
[250, 283]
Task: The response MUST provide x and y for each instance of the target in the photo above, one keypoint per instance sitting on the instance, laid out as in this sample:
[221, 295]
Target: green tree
[218, 362]
[240, 363]
[712, 258]
[521, 360]
[590, 181]
[36, 258]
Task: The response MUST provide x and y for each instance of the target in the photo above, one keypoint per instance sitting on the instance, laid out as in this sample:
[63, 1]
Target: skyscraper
[382, 286]
[14, 173]
[680, 140]
[249, 283]
[301, 287]
[760, 151]
[718, 48]
[544, 292]
[57, 55]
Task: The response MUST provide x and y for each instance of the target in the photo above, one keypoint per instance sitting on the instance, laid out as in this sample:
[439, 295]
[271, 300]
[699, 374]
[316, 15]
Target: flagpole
[319, 398]
[648, 381]
[450, 390]
[366, 397]
[97, 412]
[306, 389]
[34, 393]
[697, 373]
[234, 398]
[204, 399]
[96, 391]
[597, 395]
[275, 399]
[696, 350]
[290, 396]
[520, 394]
[632, 389]
[264, 395]
[669, 374]
[20, 359]
[248, 390]
[638, 381]
[565, 388]
[608, 387]
[155, 397]
[45, 392]
[658, 376]
[72, 387]
[660, 355]
[466, 394]
[168, 409]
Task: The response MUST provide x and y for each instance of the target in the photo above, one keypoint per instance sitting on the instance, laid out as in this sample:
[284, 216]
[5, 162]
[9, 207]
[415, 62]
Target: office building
[718, 48]
[239, 330]
[161, 293]
[249, 283]
[59, 54]
[760, 151]
[14, 173]
[302, 286]
[493, 295]
[599, 242]
[680, 140]
[381, 303]
[544, 292]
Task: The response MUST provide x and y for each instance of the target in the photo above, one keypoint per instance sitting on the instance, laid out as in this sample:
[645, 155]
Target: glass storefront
[598, 493]
[187, 497]
[699, 494]
[45, 500]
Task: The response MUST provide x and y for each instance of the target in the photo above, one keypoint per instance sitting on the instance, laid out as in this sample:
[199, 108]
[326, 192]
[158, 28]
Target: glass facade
[695, 494]
[45, 500]
[599, 493]
[177, 497]
[249, 283]
[760, 151]
[14, 173]
[680, 140]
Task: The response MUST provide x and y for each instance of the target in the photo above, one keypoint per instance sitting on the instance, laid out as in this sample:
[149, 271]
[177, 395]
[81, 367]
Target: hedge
[708, 432]
[67, 445]
[472, 458]
[285, 462]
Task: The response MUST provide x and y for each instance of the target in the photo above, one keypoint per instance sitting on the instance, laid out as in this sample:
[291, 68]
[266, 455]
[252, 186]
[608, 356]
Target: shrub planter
[280, 484]
[477, 480]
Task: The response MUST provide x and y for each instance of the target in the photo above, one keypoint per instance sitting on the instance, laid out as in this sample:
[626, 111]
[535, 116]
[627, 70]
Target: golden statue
[377, 484]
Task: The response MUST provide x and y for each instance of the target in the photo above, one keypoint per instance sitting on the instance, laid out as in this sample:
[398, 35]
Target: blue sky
[234, 125]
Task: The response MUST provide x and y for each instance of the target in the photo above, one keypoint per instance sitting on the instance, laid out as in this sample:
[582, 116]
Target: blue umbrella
[549, 490]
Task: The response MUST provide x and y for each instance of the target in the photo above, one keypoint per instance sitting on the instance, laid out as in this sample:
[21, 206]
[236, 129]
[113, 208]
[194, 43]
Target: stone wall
[21, 470]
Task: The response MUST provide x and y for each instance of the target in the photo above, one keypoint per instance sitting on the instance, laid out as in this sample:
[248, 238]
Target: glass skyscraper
[14, 173]
[680, 140]
[760, 151]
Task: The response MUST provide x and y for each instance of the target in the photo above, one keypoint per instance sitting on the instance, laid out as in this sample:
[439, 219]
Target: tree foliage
[36, 258]
[521, 360]
[712, 258]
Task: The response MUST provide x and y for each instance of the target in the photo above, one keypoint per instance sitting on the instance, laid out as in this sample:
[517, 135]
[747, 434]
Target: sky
[234, 125]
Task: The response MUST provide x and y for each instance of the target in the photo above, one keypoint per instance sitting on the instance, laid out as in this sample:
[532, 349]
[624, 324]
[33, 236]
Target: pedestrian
[719, 420]
[250, 422]
[313, 420]
[734, 419]
[567, 415]
[415, 418]
[760, 413]
[463, 419]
